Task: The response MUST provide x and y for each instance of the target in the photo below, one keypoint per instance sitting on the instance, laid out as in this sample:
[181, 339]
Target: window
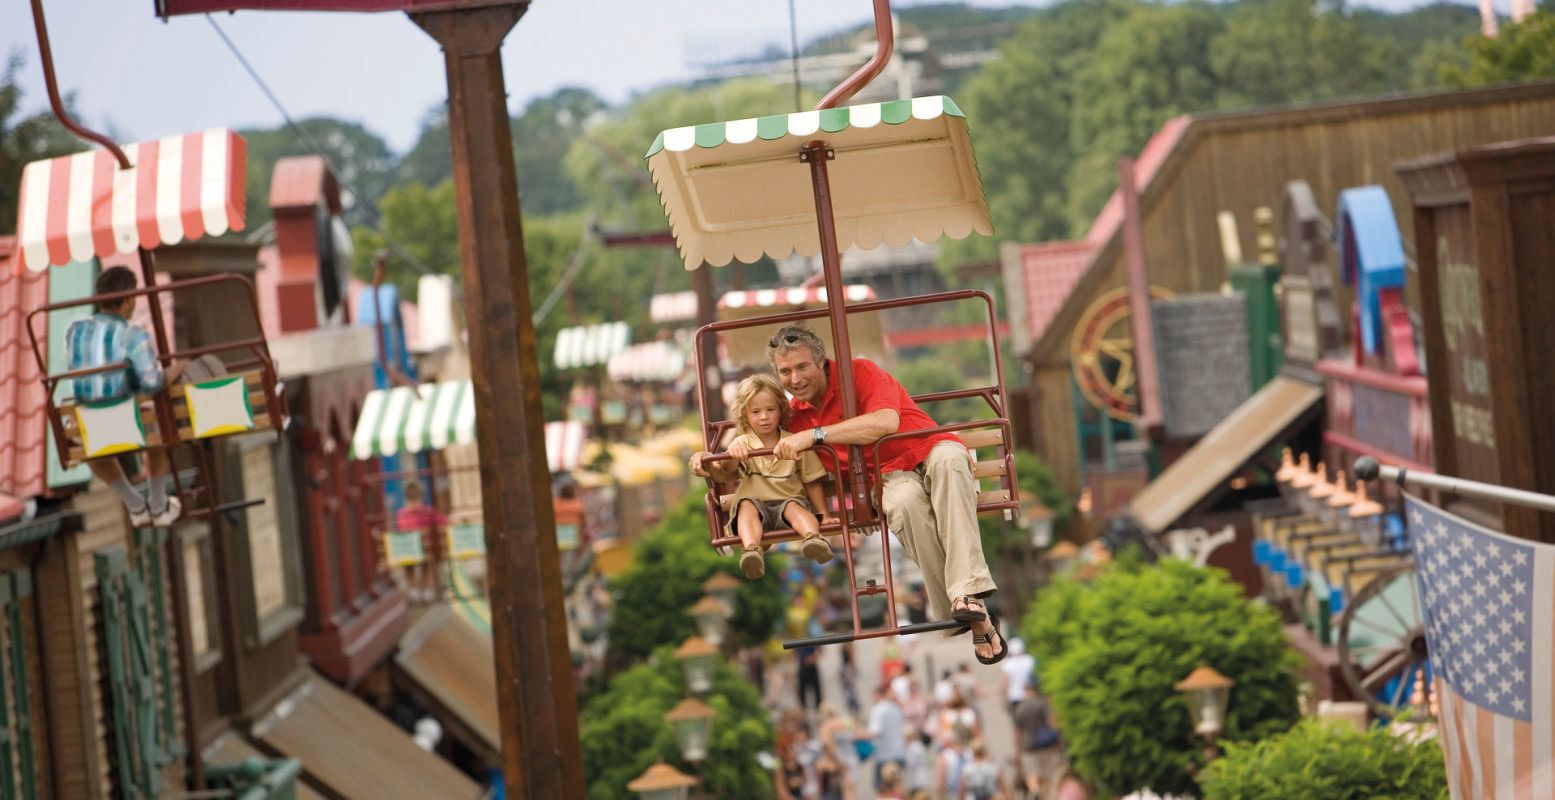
[19, 768]
[270, 574]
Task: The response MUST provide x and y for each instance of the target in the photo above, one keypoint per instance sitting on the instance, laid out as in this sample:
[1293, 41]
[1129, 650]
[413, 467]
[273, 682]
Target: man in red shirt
[928, 491]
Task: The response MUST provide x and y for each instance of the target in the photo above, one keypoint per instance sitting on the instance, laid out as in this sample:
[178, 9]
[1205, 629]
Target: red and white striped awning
[806, 296]
[673, 307]
[564, 445]
[650, 361]
[75, 207]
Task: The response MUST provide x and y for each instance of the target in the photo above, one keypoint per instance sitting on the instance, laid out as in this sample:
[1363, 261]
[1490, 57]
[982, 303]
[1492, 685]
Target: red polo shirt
[876, 389]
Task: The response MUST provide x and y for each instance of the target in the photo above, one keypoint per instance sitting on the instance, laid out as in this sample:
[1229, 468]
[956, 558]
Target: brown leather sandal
[993, 633]
[752, 562]
[816, 548]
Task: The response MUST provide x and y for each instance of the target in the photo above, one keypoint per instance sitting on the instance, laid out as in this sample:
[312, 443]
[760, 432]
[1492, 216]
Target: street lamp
[692, 720]
[1038, 519]
[1061, 555]
[697, 657]
[1365, 517]
[662, 782]
[712, 619]
[1207, 692]
[723, 586]
[1287, 476]
[1339, 503]
[1314, 498]
[1301, 482]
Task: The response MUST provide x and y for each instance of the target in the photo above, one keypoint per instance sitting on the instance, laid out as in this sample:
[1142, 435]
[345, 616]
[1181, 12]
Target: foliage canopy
[623, 731]
[1323, 759]
[1112, 656]
[668, 568]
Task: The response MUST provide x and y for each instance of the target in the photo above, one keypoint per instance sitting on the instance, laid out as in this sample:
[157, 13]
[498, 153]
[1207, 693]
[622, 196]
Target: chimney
[312, 252]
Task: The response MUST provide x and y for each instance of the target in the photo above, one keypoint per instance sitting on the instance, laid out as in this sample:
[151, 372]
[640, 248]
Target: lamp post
[692, 721]
[662, 782]
[1208, 692]
[723, 586]
[712, 619]
[1339, 503]
[696, 657]
[1365, 517]
[1038, 520]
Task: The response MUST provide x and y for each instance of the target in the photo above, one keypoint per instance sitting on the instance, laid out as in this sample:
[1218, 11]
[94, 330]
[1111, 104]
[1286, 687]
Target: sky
[141, 78]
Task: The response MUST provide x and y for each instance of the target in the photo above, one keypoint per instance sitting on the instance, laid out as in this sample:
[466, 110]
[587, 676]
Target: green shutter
[148, 543]
[131, 676]
[19, 586]
[9, 736]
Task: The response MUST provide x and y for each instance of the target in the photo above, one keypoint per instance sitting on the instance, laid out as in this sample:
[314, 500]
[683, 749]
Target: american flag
[1489, 609]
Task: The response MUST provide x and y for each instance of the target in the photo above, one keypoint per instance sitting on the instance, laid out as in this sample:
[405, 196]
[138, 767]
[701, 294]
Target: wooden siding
[1240, 161]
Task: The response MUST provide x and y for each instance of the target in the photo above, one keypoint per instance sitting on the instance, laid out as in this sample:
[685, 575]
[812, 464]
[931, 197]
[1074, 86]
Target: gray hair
[789, 338]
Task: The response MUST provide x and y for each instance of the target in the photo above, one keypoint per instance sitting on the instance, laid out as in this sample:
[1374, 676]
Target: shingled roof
[22, 408]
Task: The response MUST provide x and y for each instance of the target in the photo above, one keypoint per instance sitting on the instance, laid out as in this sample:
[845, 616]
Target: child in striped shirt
[107, 338]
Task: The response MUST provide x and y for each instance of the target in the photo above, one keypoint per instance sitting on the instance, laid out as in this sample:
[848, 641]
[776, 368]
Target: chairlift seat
[203, 410]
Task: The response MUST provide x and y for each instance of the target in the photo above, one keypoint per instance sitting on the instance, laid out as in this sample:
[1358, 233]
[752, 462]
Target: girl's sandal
[816, 548]
[993, 633]
[972, 610]
[752, 562]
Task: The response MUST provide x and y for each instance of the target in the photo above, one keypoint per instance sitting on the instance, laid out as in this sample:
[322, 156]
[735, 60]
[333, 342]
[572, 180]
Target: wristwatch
[818, 435]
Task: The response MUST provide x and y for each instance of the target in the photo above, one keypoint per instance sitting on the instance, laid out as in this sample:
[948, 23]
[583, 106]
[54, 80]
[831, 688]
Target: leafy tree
[1110, 663]
[361, 158]
[1522, 51]
[1322, 759]
[24, 139]
[668, 568]
[1284, 51]
[623, 731]
[542, 134]
[607, 165]
[1150, 66]
[1019, 107]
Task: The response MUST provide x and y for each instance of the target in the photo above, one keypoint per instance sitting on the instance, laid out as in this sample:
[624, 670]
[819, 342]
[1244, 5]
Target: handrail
[1367, 468]
[885, 42]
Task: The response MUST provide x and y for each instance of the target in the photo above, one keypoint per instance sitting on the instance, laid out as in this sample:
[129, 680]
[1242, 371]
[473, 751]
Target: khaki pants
[934, 514]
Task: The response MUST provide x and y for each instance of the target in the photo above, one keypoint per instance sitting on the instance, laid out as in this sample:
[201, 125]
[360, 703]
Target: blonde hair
[747, 391]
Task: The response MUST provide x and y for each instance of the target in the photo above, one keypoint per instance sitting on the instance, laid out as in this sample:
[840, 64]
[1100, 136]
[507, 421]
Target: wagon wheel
[1382, 641]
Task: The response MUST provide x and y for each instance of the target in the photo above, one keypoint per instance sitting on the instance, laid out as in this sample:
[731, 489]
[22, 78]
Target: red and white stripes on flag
[179, 188]
[1488, 602]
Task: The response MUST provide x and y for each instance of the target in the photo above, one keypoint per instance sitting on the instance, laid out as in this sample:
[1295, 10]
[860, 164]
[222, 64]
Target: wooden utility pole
[536, 704]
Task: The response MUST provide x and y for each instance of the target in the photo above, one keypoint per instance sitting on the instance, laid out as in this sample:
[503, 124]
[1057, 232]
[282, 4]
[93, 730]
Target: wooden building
[1199, 165]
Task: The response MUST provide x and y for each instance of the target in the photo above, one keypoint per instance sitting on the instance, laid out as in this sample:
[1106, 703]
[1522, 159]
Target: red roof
[22, 408]
[1051, 270]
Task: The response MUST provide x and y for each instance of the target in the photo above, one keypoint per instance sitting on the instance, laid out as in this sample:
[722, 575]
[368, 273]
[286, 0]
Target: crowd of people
[916, 737]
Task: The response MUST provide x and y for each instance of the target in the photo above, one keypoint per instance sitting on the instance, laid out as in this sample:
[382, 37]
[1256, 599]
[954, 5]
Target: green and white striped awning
[904, 169]
[408, 420]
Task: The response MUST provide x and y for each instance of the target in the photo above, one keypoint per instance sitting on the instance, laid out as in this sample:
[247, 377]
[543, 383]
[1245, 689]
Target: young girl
[773, 493]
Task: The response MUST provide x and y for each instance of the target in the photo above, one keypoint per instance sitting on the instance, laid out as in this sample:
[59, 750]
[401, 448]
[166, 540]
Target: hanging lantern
[1365, 517]
[662, 782]
[723, 586]
[1339, 503]
[712, 619]
[696, 658]
[1208, 692]
[692, 721]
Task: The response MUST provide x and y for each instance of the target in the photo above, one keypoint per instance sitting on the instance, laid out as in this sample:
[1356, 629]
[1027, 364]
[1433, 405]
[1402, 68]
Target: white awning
[408, 420]
[673, 307]
[650, 361]
[590, 345]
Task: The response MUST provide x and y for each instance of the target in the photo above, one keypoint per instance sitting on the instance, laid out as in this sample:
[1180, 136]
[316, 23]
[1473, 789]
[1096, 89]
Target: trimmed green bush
[624, 732]
[669, 565]
[1124, 641]
[1335, 762]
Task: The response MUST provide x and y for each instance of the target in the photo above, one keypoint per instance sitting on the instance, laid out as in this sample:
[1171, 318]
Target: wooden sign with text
[1486, 251]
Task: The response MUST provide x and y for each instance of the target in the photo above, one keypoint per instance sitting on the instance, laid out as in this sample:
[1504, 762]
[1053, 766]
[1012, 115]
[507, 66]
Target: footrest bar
[843, 638]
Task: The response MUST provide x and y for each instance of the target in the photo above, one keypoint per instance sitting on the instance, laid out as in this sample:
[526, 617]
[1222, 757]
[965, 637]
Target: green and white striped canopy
[409, 420]
[904, 169]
